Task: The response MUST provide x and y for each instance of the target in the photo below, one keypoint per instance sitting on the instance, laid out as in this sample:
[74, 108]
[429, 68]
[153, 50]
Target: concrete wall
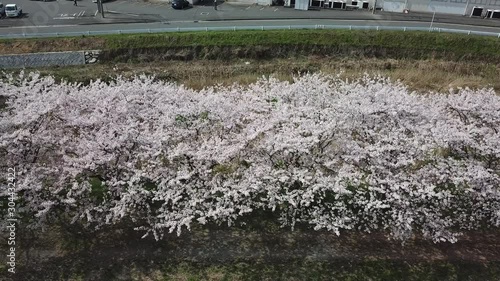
[251, 2]
[263, 2]
[394, 6]
[301, 5]
[48, 59]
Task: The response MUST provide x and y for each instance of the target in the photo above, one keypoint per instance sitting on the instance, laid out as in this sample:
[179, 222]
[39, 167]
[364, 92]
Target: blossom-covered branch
[365, 154]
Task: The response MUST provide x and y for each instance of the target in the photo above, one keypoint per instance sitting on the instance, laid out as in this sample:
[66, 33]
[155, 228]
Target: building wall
[457, 7]
[440, 7]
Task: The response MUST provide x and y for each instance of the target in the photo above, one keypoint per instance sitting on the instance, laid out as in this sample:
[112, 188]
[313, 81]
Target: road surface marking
[64, 18]
[262, 8]
[276, 9]
[115, 12]
[248, 7]
[44, 26]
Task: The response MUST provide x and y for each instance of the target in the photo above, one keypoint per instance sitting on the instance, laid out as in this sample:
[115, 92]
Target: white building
[456, 7]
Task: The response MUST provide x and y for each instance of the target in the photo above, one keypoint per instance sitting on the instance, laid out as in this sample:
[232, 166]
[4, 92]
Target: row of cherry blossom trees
[335, 154]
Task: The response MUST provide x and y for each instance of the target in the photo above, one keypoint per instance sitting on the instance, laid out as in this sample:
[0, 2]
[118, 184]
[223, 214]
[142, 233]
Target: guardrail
[236, 28]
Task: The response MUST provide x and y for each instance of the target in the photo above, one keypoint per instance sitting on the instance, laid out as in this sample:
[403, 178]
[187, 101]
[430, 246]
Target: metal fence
[236, 28]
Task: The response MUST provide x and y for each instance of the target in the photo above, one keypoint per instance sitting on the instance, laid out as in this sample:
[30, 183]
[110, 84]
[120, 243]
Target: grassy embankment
[423, 60]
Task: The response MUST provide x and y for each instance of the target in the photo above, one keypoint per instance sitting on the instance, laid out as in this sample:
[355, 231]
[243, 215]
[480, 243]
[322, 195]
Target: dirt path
[109, 256]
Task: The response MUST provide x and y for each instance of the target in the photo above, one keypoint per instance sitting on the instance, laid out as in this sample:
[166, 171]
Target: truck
[13, 11]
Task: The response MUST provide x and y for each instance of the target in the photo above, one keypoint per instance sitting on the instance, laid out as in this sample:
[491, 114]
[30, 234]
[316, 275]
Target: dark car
[180, 4]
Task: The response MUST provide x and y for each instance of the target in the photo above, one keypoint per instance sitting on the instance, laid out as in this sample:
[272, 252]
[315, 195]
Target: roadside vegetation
[424, 61]
[417, 44]
[419, 75]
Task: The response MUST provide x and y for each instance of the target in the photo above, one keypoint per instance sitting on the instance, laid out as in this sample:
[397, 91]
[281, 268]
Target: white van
[13, 11]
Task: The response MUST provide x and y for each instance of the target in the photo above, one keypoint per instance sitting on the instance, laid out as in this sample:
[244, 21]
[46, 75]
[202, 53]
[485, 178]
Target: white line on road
[44, 26]
[262, 8]
[248, 7]
[64, 18]
[115, 12]
[95, 14]
[276, 9]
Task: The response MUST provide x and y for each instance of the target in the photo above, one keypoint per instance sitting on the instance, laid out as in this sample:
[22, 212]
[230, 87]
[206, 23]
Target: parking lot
[64, 12]
[39, 13]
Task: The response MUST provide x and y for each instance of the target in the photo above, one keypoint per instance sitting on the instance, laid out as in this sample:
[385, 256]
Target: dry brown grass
[421, 76]
[49, 45]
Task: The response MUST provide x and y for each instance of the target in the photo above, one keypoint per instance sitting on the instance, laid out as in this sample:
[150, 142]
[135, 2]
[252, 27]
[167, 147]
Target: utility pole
[432, 21]
[100, 8]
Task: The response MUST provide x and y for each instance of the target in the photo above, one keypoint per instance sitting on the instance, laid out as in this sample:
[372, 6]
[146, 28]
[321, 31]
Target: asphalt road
[184, 24]
[63, 16]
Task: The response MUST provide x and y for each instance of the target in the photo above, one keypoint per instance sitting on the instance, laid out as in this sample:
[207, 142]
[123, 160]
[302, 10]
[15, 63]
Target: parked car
[13, 11]
[2, 10]
[180, 4]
